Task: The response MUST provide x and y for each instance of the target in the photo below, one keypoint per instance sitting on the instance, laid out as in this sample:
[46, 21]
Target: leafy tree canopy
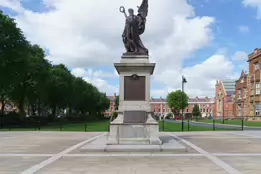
[174, 100]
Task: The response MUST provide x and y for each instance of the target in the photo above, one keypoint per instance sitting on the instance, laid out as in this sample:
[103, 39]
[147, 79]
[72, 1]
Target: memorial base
[133, 134]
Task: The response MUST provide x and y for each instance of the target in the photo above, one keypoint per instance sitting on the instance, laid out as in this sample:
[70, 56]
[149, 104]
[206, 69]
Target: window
[245, 91]
[257, 88]
[203, 110]
[257, 66]
[207, 110]
[239, 107]
[239, 94]
[258, 107]
[187, 110]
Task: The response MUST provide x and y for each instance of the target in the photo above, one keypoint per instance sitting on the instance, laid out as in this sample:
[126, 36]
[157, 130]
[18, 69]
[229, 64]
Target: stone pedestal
[134, 124]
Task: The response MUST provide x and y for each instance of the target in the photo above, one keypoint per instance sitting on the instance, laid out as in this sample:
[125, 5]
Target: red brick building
[9, 108]
[224, 99]
[160, 107]
[112, 108]
[254, 99]
[241, 103]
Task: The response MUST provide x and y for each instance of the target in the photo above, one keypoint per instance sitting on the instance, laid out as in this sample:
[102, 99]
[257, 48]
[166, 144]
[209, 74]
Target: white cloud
[239, 56]
[243, 29]
[14, 5]
[87, 34]
[201, 77]
[102, 85]
[96, 78]
[80, 72]
[254, 4]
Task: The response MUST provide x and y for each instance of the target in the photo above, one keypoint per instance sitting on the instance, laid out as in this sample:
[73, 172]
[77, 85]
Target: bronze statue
[134, 27]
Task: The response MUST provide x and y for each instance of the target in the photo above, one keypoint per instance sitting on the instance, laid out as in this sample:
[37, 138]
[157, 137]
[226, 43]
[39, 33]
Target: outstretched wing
[143, 9]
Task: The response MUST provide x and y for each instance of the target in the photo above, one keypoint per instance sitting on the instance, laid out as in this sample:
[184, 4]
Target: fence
[239, 124]
[79, 124]
[103, 125]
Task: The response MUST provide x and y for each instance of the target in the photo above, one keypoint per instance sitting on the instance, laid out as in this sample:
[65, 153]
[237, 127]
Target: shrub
[169, 115]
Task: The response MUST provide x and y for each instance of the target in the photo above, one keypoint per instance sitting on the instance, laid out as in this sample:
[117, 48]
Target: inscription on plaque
[135, 117]
[134, 88]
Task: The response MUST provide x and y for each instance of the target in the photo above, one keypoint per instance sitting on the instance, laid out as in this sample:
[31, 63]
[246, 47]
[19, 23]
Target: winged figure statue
[134, 27]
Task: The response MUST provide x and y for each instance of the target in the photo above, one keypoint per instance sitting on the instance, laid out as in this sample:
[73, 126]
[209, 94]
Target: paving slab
[133, 165]
[230, 144]
[40, 142]
[169, 145]
[10, 165]
[249, 165]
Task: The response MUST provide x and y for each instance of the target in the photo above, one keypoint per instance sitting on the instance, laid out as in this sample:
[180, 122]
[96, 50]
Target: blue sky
[218, 38]
[230, 15]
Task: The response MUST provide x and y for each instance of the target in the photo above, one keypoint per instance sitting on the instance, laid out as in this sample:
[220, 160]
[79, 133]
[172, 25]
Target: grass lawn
[103, 126]
[234, 122]
[177, 127]
[100, 126]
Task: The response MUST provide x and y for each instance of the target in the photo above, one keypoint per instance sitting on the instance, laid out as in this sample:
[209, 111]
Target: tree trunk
[82, 112]
[21, 101]
[33, 109]
[54, 111]
[39, 108]
[21, 107]
[70, 110]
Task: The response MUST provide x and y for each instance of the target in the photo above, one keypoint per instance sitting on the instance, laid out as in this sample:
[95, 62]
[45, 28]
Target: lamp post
[182, 101]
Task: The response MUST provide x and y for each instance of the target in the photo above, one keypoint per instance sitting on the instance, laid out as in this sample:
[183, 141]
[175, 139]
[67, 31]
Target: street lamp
[182, 101]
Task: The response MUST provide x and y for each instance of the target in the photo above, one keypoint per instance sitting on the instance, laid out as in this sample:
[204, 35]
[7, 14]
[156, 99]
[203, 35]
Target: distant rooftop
[191, 100]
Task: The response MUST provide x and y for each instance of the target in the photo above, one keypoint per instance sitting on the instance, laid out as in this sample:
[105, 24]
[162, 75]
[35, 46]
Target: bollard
[214, 127]
[188, 125]
[242, 124]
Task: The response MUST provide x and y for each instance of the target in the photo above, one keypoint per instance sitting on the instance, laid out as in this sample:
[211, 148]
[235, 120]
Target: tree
[28, 79]
[58, 87]
[196, 112]
[13, 49]
[174, 100]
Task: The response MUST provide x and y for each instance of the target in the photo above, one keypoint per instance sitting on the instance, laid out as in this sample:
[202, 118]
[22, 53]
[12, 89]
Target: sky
[204, 40]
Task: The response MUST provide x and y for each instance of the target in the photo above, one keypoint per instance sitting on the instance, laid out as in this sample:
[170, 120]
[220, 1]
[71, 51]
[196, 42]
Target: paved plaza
[59, 153]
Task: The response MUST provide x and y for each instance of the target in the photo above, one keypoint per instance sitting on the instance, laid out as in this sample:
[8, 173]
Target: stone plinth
[134, 124]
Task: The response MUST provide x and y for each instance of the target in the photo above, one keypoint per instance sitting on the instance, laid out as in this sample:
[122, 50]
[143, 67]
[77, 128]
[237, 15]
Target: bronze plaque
[135, 117]
[134, 88]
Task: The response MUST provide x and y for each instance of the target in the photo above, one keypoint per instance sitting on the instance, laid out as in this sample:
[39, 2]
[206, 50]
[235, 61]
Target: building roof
[191, 100]
[158, 100]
